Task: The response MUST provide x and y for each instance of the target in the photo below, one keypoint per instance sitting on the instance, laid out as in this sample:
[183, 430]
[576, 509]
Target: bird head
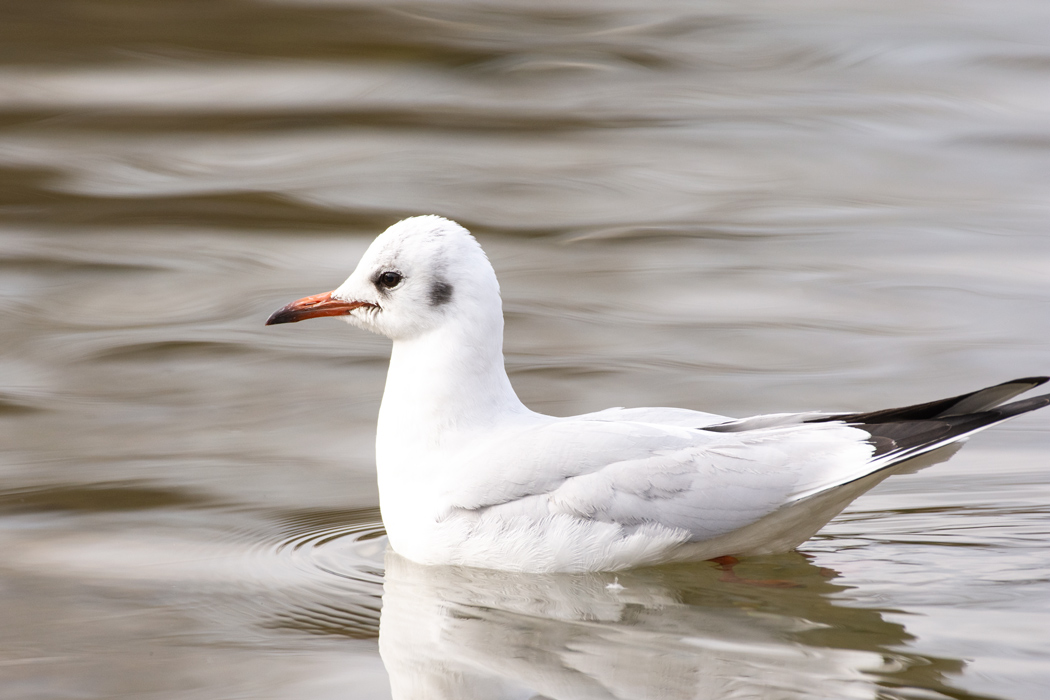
[414, 277]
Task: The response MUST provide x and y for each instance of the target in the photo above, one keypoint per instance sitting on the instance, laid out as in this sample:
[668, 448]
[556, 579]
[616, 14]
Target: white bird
[468, 475]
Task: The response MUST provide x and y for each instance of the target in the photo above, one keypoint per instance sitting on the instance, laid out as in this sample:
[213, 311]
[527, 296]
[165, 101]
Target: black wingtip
[966, 404]
[1016, 408]
[1034, 381]
[910, 437]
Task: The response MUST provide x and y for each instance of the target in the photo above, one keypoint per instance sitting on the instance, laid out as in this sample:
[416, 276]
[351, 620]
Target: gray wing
[704, 483]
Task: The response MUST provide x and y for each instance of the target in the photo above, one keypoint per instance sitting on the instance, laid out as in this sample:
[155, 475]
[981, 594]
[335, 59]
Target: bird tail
[900, 434]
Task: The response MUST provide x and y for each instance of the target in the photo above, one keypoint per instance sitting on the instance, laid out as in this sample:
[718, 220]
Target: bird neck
[448, 381]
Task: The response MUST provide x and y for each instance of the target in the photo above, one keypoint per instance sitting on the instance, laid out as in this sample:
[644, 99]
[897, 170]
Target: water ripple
[338, 559]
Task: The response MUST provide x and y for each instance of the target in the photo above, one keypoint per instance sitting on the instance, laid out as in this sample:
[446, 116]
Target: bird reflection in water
[672, 632]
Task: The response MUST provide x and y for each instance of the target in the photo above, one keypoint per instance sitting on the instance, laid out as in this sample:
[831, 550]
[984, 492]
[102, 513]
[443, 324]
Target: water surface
[734, 208]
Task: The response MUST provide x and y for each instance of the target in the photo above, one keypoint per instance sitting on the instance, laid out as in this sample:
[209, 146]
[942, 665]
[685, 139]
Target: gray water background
[732, 207]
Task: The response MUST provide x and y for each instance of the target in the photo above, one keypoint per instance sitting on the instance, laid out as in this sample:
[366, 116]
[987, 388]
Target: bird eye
[389, 279]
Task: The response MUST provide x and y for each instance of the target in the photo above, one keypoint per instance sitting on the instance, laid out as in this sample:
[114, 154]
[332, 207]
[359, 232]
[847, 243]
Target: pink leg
[726, 564]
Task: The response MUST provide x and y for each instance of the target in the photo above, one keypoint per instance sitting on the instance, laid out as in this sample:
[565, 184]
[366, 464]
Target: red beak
[312, 307]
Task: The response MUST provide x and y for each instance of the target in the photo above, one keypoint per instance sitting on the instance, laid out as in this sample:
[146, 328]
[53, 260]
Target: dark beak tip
[313, 307]
[280, 316]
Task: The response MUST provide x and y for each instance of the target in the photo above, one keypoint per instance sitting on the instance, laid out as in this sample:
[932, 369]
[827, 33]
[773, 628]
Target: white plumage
[468, 475]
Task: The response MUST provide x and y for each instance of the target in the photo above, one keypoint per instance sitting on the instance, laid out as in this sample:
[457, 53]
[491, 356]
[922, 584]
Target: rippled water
[731, 207]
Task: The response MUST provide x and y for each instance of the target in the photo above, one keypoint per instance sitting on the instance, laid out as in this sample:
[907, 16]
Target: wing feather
[637, 474]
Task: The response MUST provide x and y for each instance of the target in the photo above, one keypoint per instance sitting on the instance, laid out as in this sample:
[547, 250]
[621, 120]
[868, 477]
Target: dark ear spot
[440, 293]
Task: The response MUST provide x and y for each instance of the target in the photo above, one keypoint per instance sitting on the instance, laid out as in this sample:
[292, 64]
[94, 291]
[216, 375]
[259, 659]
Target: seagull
[469, 476]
